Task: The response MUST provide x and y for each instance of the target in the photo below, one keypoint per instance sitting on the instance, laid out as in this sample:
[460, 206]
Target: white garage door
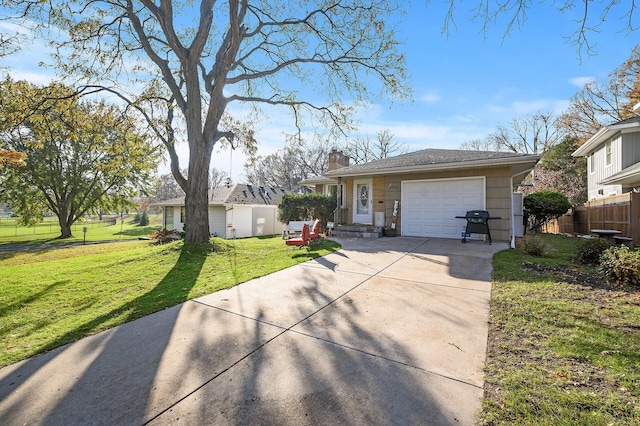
[429, 207]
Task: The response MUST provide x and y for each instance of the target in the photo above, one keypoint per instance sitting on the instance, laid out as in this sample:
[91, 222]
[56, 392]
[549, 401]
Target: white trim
[366, 219]
[464, 165]
[602, 135]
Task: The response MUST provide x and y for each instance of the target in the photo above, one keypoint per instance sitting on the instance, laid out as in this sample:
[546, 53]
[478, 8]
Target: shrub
[620, 265]
[544, 206]
[589, 250]
[163, 236]
[306, 207]
[533, 246]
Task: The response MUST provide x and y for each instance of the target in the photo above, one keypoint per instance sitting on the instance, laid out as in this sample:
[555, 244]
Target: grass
[48, 231]
[55, 296]
[564, 348]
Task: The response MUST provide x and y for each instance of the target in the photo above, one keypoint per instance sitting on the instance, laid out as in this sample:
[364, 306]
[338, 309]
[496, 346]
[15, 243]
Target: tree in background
[364, 149]
[218, 178]
[167, 187]
[598, 105]
[82, 157]
[195, 59]
[301, 160]
[532, 134]
[286, 168]
[559, 171]
[478, 145]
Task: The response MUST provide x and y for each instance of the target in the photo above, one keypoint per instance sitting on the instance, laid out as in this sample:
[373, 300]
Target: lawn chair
[301, 241]
[315, 232]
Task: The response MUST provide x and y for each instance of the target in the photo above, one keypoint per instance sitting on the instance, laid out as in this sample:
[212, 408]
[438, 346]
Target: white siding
[601, 170]
[245, 220]
[217, 221]
[239, 221]
[265, 221]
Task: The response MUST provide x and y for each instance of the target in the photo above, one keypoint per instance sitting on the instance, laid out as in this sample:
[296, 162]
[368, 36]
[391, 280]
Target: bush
[533, 246]
[620, 265]
[544, 206]
[589, 250]
[163, 236]
[306, 207]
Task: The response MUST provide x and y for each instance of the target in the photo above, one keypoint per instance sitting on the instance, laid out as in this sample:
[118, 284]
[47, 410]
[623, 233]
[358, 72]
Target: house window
[182, 214]
[592, 162]
[168, 218]
[607, 151]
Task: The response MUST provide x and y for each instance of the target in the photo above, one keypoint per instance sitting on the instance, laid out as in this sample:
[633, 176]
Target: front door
[362, 202]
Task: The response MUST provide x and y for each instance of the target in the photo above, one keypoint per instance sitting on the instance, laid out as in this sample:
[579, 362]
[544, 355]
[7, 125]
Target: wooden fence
[618, 212]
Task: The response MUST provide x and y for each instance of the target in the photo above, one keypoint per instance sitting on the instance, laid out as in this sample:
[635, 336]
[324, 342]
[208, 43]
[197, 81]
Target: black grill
[477, 223]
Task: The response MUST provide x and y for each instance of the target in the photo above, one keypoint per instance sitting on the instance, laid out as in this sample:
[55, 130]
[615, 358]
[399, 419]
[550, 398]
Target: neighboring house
[431, 186]
[613, 159]
[235, 211]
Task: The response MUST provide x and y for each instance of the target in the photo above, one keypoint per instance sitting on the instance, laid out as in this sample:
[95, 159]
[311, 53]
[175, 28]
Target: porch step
[357, 231]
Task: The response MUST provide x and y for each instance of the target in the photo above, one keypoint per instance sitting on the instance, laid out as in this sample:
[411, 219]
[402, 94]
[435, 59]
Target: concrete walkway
[385, 331]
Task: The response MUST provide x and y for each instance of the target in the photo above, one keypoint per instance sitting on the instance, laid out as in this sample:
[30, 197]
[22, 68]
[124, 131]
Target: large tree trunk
[65, 226]
[197, 197]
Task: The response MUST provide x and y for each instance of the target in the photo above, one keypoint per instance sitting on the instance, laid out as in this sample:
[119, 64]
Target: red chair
[301, 241]
[315, 232]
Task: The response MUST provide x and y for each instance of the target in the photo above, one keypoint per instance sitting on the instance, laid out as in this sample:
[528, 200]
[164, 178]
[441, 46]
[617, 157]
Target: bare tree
[187, 62]
[287, 167]
[218, 178]
[478, 145]
[533, 134]
[365, 149]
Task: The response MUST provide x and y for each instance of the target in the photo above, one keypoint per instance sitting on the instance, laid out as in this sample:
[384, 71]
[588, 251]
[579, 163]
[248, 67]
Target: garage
[429, 207]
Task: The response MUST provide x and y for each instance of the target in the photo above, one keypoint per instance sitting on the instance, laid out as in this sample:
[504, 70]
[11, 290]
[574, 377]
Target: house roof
[624, 126]
[318, 180]
[435, 160]
[627, 177]
[236, 194]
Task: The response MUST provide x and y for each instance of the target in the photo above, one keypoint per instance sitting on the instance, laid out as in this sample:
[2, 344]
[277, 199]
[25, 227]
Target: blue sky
[464, 83]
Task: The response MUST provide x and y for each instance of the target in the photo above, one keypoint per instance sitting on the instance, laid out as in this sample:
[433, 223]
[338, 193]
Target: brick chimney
[337, 160]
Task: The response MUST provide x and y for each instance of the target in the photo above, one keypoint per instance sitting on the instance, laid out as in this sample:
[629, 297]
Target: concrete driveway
[385, 331]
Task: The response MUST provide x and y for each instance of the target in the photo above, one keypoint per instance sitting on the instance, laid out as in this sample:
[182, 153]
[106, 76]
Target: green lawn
[59, 295]
[564, 348]
[48, 230]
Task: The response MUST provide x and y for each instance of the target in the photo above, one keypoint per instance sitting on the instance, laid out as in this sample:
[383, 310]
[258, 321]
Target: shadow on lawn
[109, 366]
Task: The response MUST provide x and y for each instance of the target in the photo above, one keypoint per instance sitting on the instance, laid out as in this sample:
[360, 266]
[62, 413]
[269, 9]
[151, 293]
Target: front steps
[357, 231]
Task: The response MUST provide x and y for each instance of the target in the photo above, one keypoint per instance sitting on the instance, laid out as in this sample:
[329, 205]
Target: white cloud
[581, 81]
[430, 98]
[38, 78]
